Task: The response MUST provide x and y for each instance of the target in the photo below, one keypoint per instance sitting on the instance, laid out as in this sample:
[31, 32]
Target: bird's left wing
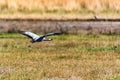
[29, 34]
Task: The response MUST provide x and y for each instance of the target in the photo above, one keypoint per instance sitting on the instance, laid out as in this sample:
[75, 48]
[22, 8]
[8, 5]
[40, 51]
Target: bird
[37, 38]
[95, 17]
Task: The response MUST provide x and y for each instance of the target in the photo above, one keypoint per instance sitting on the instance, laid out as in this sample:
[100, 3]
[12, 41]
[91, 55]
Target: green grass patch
[66, 57]
[114, 77]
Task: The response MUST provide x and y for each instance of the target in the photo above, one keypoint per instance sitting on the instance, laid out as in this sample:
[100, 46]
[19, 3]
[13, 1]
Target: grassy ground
[67, 57]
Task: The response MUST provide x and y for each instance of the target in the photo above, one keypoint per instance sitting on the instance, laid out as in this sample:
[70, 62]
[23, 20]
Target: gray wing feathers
[30, 34]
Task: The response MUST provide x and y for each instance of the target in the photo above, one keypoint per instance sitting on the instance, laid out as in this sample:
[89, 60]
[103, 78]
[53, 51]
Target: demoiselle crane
[37, 38]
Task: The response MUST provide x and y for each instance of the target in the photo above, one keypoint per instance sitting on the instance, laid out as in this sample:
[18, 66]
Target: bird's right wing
[54, 33]
[30, 34]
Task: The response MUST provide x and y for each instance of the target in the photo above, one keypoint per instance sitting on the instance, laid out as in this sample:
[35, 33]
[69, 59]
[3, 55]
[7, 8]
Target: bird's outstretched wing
[31, 35]
[50, 34]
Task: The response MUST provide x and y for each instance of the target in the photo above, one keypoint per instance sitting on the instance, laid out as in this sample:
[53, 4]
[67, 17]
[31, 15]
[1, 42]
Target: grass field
[67, 57]
[59, 9]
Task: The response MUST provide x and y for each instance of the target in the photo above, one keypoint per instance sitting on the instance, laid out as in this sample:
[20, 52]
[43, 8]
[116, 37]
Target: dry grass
[60, 4]
[75, 57]
[100, 8]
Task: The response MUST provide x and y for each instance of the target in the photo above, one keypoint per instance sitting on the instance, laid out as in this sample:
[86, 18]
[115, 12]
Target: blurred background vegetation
[48, 8]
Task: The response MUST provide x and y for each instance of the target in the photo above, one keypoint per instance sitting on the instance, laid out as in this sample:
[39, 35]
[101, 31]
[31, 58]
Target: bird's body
[37, 38]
